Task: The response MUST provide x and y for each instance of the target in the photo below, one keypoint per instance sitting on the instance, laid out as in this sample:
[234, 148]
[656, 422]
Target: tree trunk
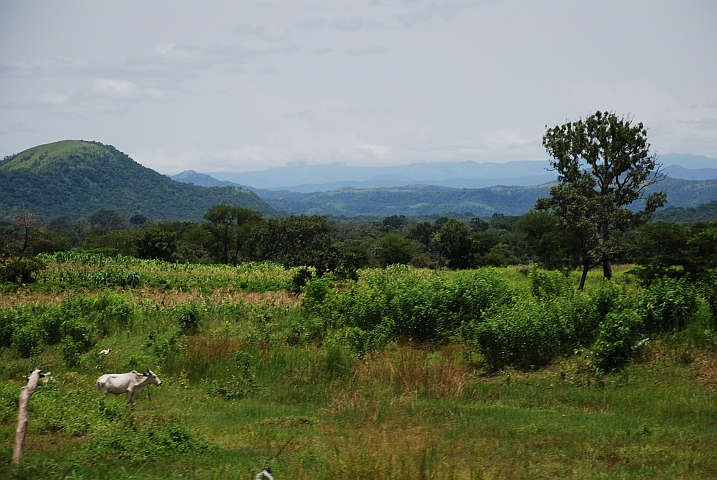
[586, 269]
[607, 268]
[25, 395]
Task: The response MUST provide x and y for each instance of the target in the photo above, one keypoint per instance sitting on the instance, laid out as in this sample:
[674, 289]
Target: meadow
[404, 374]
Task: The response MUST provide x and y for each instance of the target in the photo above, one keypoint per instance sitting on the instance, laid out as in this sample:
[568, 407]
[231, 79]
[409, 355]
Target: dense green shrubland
[398, 343]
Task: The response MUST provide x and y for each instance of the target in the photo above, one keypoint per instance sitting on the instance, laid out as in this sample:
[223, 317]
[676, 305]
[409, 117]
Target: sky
[236, 86]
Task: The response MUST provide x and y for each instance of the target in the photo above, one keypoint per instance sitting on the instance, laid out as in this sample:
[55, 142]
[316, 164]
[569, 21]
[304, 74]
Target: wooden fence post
[25, 395]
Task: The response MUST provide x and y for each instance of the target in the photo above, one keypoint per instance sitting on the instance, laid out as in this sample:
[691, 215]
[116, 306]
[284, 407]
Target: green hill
[79, 178]
[419, 200]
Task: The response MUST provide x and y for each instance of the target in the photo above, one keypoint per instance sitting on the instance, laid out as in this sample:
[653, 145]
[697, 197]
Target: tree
[230, 228]
[297, 240]
[107, 220]
[156, 242]
[18, 245]
[604, 166]
[666, 249]
[394, 248]
[551, 247]
[452, 242]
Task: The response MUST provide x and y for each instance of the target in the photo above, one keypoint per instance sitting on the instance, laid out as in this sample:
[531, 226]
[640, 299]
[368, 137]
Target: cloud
[447, 10]
[367, 50]
[674, 127]
[114, 87]
[53, 98]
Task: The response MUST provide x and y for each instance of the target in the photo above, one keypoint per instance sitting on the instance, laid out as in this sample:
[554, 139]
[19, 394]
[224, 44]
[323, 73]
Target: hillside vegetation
[78, 178]
[403, 373]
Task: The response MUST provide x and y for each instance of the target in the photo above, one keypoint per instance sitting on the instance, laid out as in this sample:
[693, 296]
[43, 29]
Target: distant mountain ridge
[79, 178]
[420, 200]
[306, 178]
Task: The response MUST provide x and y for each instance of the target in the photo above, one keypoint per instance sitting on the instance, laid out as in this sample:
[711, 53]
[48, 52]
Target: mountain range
[309, 178]
[79, 178]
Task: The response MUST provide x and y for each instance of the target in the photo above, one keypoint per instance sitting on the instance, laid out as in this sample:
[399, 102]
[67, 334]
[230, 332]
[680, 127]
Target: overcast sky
[242, 85]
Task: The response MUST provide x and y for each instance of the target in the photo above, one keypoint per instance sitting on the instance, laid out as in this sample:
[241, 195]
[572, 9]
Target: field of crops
[405, 373]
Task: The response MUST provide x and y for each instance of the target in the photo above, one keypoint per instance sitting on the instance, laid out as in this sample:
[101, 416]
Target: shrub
[26, 340]
[21, 270]
[77, 338]
[315, 292]
[526, 335]
[667, 305]
[618, 340]
[142, 444]
[422, 305]
[548, 284]
[188, 318]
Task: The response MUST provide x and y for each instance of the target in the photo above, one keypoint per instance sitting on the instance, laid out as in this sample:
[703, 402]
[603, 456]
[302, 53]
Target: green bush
[315, 293]
[8, 323]
[619, 339]
[78, 337]
[26, 340]
[667, 305]
[421, 305]
[526, 335]
[549, 284]
[237, 385]
[9, 402]
[188, 318]
[21, 270]
[142, 444]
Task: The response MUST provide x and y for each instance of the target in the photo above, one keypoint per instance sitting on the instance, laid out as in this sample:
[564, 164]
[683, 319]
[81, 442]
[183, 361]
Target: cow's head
[153, 378]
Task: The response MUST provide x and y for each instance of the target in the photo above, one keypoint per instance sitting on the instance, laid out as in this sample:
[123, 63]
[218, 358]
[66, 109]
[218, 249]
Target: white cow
[132, 383]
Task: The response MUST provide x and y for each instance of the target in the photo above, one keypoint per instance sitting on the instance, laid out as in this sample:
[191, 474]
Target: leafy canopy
[604, 166]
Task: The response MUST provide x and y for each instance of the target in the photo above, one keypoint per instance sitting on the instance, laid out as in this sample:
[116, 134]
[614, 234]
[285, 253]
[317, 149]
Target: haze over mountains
[307, 178]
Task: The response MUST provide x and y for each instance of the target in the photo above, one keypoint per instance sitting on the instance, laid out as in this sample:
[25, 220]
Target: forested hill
[421, 200]
[79, 178]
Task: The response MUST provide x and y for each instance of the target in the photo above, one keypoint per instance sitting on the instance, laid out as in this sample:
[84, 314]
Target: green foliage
[534, 331]
[315, 293]
[107, 220]
[21, 270]
[26, 340]
[188, 318]
[672, 250]
[603, 166]
[709, 293]
[156, 243]
[395, 249]
[113, 277]
[546, 285]
[418, 304]
[81, 272]
[619, 340]
[237, 385]
[452, 243]
[80, 178]
[143, 443]
[667, 305]
[78, 337]
[525, 336]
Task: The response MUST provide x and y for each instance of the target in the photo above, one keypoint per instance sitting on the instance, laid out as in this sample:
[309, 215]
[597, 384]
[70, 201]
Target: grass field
[246, 371]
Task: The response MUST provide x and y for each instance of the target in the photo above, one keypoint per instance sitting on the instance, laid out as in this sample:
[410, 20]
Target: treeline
[234, 235]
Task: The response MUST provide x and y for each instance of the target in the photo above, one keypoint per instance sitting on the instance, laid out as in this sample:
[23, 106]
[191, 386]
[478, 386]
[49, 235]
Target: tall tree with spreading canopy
[604, 166]
[230, 228]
